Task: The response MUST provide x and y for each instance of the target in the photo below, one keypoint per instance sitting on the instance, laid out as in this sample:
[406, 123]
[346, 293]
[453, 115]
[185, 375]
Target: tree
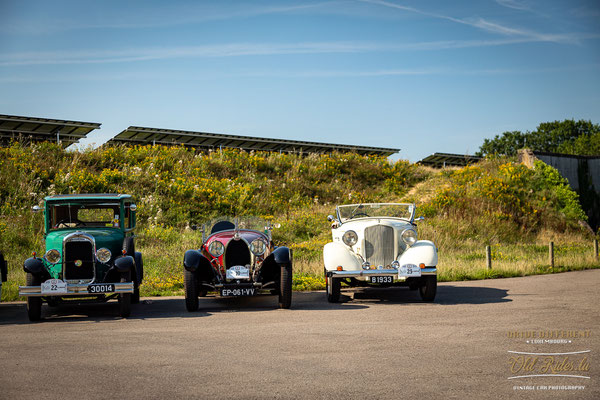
[568, 136]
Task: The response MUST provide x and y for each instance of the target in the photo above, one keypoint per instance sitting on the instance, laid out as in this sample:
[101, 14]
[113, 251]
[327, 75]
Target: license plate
[409, 270]
[382, 279]
[238, 292]
[54, 286]
[101, 288]
[238, 272]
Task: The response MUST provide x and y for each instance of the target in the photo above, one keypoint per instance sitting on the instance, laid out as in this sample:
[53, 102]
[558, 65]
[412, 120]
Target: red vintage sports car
[238, 258]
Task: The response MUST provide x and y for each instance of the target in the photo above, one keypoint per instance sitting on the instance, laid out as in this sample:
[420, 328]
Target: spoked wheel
[125, 298]
[285, 285]
[190, 281]
[34, 304]
[429, 288]
[333, 288]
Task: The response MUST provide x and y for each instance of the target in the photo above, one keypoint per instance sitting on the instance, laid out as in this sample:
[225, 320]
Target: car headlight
[258, 247]
[350, 238]
[103, 255]
[409, 236]
[52, 256]
[216, 248]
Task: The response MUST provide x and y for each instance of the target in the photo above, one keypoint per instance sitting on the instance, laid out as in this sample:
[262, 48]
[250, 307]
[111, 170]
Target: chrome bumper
[74, 289]
[378, 272]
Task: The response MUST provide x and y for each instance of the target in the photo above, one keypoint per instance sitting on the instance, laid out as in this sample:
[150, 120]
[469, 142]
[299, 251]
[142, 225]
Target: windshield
[227, 223]
[389, 210]
[78, 215]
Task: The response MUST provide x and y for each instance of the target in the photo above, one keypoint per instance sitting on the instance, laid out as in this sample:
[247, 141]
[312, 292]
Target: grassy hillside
[497, 202]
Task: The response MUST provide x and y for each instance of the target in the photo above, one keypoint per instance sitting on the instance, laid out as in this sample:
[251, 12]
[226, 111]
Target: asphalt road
[376, 344]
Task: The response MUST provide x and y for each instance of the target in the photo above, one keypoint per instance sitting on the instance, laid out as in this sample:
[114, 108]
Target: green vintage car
[90, 254]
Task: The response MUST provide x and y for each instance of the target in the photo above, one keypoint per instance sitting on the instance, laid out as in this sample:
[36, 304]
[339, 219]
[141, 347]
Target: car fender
[193, 259]
[34, 266]
[422, 252]
[124, 263]
[282, 255]
[337, 254]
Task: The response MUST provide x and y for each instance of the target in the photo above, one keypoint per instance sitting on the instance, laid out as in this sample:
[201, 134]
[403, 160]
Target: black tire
[129, 246]
[429, 288]
[333, 289]
[285, 285]
[190, 281]
[34, 304]
[139, 269]
[125, 298]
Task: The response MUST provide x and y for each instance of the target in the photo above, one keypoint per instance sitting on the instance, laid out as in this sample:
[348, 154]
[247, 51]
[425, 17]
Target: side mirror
[421, 218]
[133, 207]
[330, 218]
[36, 208]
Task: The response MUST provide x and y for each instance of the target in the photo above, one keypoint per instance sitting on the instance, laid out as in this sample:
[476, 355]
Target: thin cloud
[514, 4]
[158, 18]
[207, 51]
[260, 49]
[301, 74]
[483, 24]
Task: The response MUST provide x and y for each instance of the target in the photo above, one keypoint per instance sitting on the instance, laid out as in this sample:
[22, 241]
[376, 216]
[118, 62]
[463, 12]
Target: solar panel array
[30, 129]
[441, 160]
[215, 141]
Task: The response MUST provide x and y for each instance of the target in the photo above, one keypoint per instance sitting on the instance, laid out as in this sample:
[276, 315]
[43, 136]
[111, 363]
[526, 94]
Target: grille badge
[78, 263]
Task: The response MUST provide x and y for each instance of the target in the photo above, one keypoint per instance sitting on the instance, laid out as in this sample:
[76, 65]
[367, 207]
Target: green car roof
[88, 196]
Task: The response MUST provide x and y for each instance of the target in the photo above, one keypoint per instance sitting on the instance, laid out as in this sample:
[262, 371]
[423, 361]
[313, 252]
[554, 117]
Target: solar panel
[207, 141]
[31, 129]
[441, 160]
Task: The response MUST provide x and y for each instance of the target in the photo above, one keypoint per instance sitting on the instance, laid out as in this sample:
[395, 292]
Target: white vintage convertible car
[376, 245]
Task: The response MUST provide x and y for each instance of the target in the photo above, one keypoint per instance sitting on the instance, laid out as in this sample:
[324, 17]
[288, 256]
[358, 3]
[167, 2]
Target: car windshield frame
[350, 212]
[246, 223]
[51, 224]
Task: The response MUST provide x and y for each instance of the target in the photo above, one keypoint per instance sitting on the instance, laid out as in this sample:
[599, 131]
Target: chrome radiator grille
[379, 245]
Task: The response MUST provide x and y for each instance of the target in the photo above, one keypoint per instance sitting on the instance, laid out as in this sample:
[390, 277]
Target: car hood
[112, 239]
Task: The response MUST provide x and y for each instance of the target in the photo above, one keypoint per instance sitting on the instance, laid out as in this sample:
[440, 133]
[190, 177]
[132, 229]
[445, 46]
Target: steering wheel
[357, 214]
[69, 221]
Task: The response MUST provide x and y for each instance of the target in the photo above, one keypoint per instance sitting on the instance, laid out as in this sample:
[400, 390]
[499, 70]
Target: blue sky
[423, 76]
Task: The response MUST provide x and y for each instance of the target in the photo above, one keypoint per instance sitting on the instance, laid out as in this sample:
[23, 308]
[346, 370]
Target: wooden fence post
[596, 249]
[551, 254]
[488, 257]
